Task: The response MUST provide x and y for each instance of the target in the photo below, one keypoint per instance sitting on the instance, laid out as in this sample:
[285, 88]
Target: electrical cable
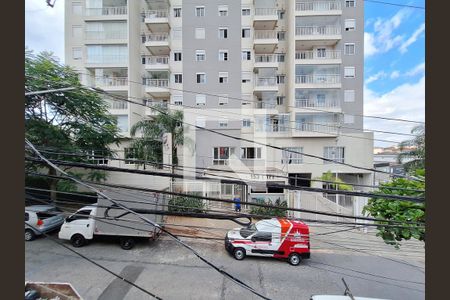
[395, 4]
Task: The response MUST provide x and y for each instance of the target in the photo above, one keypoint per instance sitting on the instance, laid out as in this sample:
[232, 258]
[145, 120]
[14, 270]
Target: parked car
[277, 237]
[45, 218]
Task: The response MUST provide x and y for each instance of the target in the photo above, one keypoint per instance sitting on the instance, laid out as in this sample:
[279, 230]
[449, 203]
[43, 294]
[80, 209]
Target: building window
[177, 12]
[246, 55]
[349, 49]
[77, 53]
[200, 33]
[280, 100]
[223, 10]
[177, 99]
[223, 99]
[223, 55]
[281, 79]
[246, 123]
[178, 78]
[200, 121]
[122, 123]
[245, 32]
[350, 24]
[76, 31]
[223, 123]
[246, 11]
[350, 3]
[177, 56]
[200, 99]
[281, 35]
[223, 32]
[77, 9]
[130, 155]
[246, 77]
[200, 55]
[280, 57]
[334, 153]
[223, 77]
[349, 95]
[349, 72]
[98, 157]
[349, 119]
[280, 14]
[221, 155]
[177, 33]
[251, 153]
[288, 157]
[201, 77]
[200, 11]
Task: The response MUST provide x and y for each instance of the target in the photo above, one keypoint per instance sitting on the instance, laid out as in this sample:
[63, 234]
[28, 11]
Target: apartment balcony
[117, 106]
[106, 37]
[157, 20]
[318, 81]
[155, 63]
[265, 18]
[328, 35]
[157, 87]
[157, 43]
[158, 105]
[265, 84]
[313, 129]
[266, 61]
[318, 8]
[318, 57]
[310, 105]
[102, 61]
[112, 84]
[265, 41]
[106, 13]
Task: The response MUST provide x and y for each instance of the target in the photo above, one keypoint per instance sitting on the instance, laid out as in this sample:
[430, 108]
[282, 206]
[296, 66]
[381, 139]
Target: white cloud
[419, 69]
[413, 38]
[376, 77]
[395, 74]
[369, 44]
[44, 27]
[406, 101]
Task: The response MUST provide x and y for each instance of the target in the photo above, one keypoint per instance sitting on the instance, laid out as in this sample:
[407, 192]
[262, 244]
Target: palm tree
[415, 149]
[331, 181]
[149, 145]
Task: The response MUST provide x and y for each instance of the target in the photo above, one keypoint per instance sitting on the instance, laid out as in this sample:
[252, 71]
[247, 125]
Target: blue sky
[394, 42]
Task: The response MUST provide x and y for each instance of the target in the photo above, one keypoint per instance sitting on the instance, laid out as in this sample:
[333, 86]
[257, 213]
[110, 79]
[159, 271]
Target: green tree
[415, 149]
[279, 211]
[70, 121]
[332, 181]
[148, 135]
[402, 211]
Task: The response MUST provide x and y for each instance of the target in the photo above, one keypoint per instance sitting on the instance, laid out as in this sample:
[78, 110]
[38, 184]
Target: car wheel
[29, 235]
[78, 240]
[239, 253]
[127, 243]
[295, 259]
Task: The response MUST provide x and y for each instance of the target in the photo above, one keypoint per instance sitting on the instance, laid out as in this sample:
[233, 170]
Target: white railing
[154, 14]
[105, 35]
[156, 60]
[111, 81]
[318, 79]
[328, 127]
[157, 37]
[262, 11]
[157, 104]
[265, 34]
[107, 11]
[266, 104]
[327, 54]
[266, 81]
[328, 103]
[163, 83]
[318, 6]
[117, 104]
[266, 58]
[107, 59]
[317, 30]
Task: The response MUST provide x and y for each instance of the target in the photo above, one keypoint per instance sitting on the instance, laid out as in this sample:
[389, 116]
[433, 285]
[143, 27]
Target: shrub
[279, 211]
[186, 204]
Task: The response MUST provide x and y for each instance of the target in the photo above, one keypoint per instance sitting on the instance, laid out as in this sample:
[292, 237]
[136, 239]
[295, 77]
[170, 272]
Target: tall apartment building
[281, 72]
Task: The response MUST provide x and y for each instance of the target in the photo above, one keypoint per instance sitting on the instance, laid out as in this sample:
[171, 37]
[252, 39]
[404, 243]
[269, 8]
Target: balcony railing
[156, 37]
[266, 81]
[111, 81]
[327, 54]
[107, 59]
[155, 14]
[327, 103]
[269, 11]
[265, 34]
[266, 58]
[104, 35]
[107, 11]
[318, 79]
[155, 60]
[157, 104]
[317, 30]
[117, 104]
[161, 83]
[324, 127]
[318, 6]
[266, 104]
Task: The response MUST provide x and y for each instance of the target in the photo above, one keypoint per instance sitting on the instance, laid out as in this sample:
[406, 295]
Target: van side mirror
[253, 239]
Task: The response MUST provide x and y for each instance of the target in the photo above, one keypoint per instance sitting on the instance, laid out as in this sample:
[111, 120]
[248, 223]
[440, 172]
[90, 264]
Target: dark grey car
[43, 217]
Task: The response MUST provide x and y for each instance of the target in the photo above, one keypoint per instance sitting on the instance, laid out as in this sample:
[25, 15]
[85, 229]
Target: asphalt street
[172, 272]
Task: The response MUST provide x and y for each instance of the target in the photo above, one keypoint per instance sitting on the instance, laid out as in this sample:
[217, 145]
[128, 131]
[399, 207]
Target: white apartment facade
[281, 72]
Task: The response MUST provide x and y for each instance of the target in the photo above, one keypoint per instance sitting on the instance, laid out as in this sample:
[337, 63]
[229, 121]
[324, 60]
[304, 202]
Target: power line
[395, 4]
[93, 262]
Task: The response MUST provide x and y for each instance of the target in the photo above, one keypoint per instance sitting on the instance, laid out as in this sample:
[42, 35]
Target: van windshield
[248, 231]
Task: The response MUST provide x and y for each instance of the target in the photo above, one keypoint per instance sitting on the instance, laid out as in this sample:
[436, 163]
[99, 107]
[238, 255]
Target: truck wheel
[78, 240]
[29, 235]
[294, 259]
[239, 253]
[127, 243]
